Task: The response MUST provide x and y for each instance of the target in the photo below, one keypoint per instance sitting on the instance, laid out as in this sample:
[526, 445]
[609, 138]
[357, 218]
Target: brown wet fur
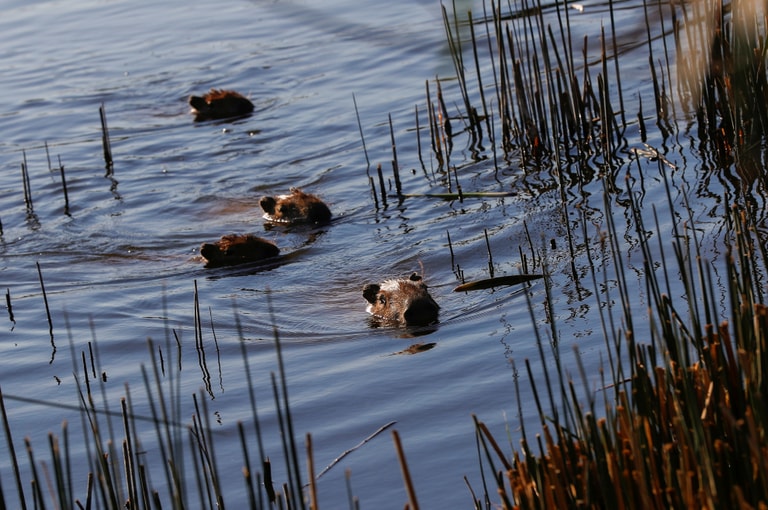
[237, 249]
[220, 104]
[403, 301]
[298, 207]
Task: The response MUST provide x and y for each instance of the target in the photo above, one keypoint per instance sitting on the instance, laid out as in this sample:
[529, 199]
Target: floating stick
[358, 445]
[497, 282]
[105, 140]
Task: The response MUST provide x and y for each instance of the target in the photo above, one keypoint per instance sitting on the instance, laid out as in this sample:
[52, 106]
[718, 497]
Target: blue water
[121, 268]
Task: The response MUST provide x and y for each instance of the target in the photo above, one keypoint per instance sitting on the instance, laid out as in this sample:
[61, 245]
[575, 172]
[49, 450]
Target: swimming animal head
[235, 249]
[220, 104]
[297, 207]
[401, 301]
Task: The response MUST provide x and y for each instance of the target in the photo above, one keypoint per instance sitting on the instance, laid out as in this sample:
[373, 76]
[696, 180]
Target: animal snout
[420, 312]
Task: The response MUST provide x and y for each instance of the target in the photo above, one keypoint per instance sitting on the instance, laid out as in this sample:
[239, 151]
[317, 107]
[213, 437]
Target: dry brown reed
[683, 427]
[681, 421]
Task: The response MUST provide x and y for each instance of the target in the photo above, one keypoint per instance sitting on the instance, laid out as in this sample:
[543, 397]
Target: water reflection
[416, 348]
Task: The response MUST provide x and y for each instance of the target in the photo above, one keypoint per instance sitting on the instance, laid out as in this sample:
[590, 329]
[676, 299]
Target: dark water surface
[122, 266]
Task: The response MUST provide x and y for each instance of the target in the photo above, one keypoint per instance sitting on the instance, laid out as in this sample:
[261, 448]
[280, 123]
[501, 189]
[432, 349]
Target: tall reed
[139, 461]
[679, 422]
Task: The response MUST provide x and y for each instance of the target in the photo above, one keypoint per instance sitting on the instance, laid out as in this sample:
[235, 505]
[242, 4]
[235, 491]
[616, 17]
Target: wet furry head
[401, 301]
[298, 207]
[220, 104]
[237, 249]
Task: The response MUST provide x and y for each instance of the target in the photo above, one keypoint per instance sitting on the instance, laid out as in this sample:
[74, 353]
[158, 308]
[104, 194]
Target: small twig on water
[347, 452]
[490, 283]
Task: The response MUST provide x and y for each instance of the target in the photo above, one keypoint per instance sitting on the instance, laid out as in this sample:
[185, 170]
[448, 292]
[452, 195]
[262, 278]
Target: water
[122, 267]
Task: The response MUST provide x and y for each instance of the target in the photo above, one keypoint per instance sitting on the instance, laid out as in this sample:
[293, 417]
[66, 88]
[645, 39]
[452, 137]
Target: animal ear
[415, 277]
[370, 291]
[268, 204]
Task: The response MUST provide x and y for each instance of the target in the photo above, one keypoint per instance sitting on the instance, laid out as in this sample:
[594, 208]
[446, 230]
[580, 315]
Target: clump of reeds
[680, 422]
[679, 419]
[125, 466]
[722, 75]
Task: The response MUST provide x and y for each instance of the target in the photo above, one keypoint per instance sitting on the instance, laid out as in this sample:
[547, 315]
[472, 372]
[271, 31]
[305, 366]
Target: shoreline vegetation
[677, 419]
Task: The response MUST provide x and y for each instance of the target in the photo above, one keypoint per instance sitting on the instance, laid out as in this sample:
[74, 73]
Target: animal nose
[420, 312]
